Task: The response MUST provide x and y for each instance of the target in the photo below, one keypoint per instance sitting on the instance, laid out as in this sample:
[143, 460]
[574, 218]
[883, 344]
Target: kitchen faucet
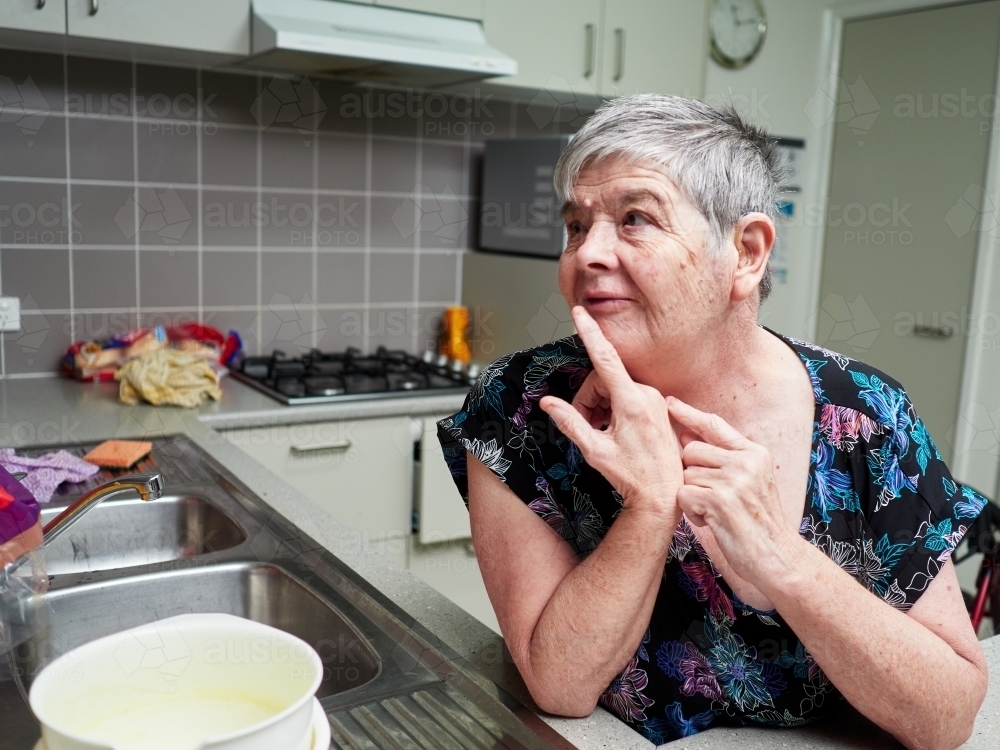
[149, 487]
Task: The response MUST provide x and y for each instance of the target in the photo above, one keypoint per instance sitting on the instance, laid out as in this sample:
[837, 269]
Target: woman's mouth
[604, 303]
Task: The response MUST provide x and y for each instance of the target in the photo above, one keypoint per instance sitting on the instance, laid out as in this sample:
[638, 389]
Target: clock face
[737, 31]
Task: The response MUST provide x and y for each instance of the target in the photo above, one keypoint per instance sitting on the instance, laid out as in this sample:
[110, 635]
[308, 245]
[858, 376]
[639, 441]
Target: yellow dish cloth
[167, 376]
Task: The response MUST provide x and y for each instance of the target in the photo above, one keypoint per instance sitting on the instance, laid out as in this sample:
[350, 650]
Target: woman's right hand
[621, 427]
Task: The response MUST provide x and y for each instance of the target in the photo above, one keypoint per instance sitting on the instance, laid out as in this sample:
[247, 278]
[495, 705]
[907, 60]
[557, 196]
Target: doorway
[909, 162]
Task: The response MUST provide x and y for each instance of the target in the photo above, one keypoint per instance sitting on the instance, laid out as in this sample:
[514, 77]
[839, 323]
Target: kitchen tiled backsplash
[300, 213]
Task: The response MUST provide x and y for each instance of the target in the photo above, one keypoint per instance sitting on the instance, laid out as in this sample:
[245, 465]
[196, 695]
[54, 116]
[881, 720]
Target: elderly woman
[691, 519]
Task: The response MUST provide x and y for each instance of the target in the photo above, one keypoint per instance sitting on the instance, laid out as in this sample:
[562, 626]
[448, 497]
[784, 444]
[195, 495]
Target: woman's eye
[574, 227]
[635, 219]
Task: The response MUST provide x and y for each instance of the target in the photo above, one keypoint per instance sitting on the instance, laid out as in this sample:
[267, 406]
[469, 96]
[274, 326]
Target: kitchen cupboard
[602, 48]
[30, 15]
[555, 42]
[358, 471]
[218, 26]
[441, 512]
[459, 8]
[654, 46]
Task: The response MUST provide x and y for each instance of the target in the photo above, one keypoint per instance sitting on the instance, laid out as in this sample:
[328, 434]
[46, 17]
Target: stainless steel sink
[65, 618]
[128, 532]
[211, 545]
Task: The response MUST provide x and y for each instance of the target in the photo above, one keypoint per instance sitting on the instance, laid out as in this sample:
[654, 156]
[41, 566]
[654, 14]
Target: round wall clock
[736, 29]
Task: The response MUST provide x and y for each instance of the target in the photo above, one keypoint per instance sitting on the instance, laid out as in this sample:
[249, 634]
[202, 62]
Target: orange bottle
[454, 336]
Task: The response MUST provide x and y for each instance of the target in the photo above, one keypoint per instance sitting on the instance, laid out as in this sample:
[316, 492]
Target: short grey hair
[726, 166]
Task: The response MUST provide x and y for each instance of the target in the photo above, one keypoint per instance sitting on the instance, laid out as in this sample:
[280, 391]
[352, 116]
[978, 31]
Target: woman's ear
[754, 237]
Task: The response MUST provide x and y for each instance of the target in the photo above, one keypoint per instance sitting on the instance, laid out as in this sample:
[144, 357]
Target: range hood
[364, 42]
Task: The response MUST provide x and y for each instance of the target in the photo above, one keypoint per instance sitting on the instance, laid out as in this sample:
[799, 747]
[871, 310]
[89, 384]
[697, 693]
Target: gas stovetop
[320, 377]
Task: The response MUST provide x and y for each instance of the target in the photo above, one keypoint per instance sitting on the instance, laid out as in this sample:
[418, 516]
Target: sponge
[118, 454]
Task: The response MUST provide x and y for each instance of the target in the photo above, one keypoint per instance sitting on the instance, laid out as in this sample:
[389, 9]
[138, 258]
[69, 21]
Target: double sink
[210, 545]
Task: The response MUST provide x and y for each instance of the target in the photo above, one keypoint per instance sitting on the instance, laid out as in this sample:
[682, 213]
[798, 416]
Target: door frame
[979, 399]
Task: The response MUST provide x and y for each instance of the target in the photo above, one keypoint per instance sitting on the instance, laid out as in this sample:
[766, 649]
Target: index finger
[602, 353]
[712, 428]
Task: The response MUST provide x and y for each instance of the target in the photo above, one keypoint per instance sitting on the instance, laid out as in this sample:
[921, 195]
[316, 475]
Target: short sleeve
[902, 514]
[484, 427]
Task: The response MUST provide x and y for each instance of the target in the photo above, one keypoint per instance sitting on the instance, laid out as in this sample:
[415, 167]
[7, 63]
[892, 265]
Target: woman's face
[638, 259]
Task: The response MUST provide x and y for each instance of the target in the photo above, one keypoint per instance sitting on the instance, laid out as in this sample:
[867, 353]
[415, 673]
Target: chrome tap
[149, 487]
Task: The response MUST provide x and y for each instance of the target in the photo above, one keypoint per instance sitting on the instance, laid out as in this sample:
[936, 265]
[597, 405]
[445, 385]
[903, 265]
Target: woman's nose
[599, 249]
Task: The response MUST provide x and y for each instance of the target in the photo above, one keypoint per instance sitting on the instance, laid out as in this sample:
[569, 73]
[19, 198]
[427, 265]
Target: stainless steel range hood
[324, 37]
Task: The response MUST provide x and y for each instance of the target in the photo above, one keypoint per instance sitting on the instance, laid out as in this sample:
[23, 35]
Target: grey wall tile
[34, 214]
[90, 325]
[229, 278]
[168, 278]
[291, 102]
[38, 346]
[104, 278]
[390, 277]
[444, 222]
[45, 89]
[340, 277]
[293, 330]
[41, 274]
[99, 87]
[343, 107]
[340, 221]
[394, 166]
[228, 218]
[33, 146]
[286, 275]
[168, 152]
[393, 222]
[342, 329]
[154, 318]
[167, 216]
[103, 215]
[388, 112]
[286, 159]
[286, 219]
[228, 97]
[166, 93]
[437, 277]
[442, 168]
[100, 149]
[228, 156]
[390, 327]
[341, 162]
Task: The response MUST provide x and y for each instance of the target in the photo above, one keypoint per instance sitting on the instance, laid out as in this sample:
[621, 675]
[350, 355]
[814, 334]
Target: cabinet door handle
[336, 446]
[933, 332]
[588, 61]
[93, 8]
[619, 54]
[40, 4]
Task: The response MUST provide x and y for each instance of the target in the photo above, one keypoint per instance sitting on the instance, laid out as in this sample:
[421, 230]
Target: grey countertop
[58, 411]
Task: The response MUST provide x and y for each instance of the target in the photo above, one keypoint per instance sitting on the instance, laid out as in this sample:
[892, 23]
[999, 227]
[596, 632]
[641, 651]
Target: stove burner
[324, 386]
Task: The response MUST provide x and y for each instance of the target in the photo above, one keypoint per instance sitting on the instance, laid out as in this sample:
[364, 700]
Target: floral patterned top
[880, 503]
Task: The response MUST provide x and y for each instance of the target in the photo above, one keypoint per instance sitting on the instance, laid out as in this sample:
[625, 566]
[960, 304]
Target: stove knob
[441, 362]
[427, 357]
[472, 373]
[457, 366]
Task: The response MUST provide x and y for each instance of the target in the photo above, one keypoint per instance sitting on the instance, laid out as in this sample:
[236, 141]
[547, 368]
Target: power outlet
[10, 314]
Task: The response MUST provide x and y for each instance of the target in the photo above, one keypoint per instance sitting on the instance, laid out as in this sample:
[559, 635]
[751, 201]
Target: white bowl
[191, 682]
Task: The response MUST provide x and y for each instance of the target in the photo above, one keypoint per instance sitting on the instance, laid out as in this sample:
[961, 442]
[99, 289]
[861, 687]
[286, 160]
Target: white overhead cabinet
[208, 26]
[34, 15]
[602, 48]
[555, 42]
[458, 8]
[654, 46]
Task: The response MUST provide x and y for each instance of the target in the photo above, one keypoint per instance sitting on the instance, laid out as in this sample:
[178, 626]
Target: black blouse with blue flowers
[880, 503]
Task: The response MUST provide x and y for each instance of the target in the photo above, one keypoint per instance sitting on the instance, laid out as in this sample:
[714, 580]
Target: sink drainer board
[388, 682]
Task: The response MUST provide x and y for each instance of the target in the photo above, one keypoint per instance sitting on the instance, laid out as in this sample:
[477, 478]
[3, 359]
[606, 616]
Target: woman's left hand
[729, 485]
